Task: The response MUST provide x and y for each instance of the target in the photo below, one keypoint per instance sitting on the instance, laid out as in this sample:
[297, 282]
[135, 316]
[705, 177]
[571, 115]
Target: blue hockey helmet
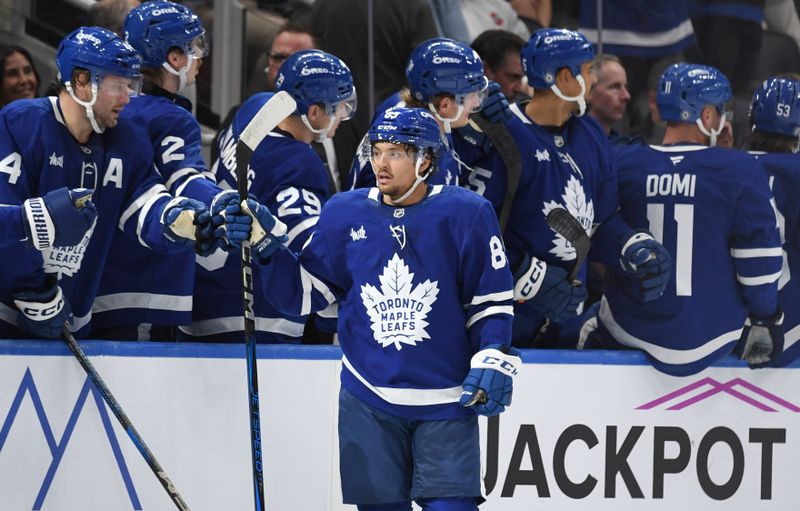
[685, 89]
[444, 66]
[776, 107]
[411, 126]
[154, 28]
[99, 51]
[550, 49]
[315, 77]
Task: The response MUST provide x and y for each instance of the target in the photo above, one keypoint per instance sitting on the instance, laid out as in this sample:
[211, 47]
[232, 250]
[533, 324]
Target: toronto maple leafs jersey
[38, 154]
[569, 167]
[710, 208]
[160, 290]
[420, 290]
[287, 176]
[783, 175]
[448, 167]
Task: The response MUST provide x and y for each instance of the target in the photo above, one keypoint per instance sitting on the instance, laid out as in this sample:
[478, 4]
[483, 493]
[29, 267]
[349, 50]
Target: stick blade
[279, 107]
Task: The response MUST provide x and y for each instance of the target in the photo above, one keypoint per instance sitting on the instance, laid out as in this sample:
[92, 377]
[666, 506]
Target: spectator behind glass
[291, 38]
[20, 78]
[499, 51]
[609, 96]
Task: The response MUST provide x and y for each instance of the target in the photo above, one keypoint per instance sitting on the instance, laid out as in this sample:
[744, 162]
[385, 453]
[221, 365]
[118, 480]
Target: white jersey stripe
[492, 297]
[118, 301]
[490, 311]
[299, 228]
[236, 324]
[757, 281]
[747, 253]
[409, 397]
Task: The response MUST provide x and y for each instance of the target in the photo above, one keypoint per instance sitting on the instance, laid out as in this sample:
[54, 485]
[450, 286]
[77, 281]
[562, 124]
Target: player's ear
[176, 58]
[565, 79]
[82, 84]
[706, 116]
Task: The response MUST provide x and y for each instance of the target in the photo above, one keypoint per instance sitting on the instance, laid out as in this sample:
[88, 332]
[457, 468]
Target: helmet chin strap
[580, 99]
[87, 106]
[712, 134]
[417, 181]
[447, 120]
[322, 133]
[180, 73]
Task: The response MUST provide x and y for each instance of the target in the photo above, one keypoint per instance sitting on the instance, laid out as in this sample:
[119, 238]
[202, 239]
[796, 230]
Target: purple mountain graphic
[716, 388]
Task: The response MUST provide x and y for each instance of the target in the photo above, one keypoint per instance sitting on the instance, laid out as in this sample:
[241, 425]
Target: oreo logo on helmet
[425, 113]
[446, 60]
[306, 71]
[167, 10]
[553, 38]
[83, 36]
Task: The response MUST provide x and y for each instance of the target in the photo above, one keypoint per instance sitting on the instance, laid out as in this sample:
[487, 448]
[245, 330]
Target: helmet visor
[198, 47]
[120, 86]
[344, 109]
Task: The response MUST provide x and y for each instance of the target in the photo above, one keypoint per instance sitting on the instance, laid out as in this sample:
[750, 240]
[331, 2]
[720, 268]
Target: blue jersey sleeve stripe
[490, 311]
[143, 211]
[492, 297]
[180, 174]
[758, 281]
[179, 190]
[140, 201]
[747, 253]
[301, 227]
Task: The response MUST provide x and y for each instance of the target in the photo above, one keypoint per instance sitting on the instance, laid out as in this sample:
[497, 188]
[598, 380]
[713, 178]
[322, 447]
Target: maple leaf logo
[398, 311]
[575, 202]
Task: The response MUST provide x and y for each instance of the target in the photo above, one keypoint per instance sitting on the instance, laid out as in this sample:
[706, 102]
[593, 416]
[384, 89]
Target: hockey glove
[254, 222]
[495, 106]
[42, 314]
[647, 262]
[187, 221]
[761, 340]
[489, 383]
[219, 206]
[59, 219]
[545, 288]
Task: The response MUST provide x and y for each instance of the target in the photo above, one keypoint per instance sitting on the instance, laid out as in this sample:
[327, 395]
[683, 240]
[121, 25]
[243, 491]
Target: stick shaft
[122, 417]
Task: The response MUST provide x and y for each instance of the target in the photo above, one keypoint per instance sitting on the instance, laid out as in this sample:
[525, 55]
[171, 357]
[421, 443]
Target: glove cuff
[220, 200]
[770, 321]
[637, 236]
[529, 282]
[42, 311]
[492, 358]
[39, 226]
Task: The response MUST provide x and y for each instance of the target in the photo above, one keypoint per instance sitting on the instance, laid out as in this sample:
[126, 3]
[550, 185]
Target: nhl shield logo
[398, 310]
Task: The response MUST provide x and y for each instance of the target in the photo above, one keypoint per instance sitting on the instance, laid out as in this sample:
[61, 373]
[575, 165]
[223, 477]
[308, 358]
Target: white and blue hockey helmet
[99, 51]
[444, 66]
[551, 49]
[775, 107]
[155, 28]
[685, 89]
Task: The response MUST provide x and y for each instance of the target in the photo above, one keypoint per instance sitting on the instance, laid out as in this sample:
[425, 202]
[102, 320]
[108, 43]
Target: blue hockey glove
[187, 221]
[546, 289]
[43, 313]
[254, 222]
[219, 206]
[59, 219]
[761, 340]
[495, 106]
[490, 381]
[648, 262]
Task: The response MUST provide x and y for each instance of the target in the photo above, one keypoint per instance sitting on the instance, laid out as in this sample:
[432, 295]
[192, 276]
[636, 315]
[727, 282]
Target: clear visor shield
[119, 86]
[198, 47]
[473, 101]
[344, 110]
[395, 153]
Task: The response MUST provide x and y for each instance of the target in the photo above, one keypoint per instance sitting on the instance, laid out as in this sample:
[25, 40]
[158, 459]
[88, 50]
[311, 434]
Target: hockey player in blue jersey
[566, 163]
[289, 178]
[446, 78]
[775, 141]
[77, 139]
[425, 313]
[710, 207]
[150, 303]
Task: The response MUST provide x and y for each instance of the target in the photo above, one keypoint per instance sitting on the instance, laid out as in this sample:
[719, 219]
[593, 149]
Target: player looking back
[77, 139]
[289, 178]
[424, 294]
[151, 302]
[775, 141]
[710, 207]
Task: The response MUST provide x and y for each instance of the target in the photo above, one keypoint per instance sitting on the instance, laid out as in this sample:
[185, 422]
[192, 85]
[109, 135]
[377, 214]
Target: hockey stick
[275, 110]
[561, 221]
[112, 403]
